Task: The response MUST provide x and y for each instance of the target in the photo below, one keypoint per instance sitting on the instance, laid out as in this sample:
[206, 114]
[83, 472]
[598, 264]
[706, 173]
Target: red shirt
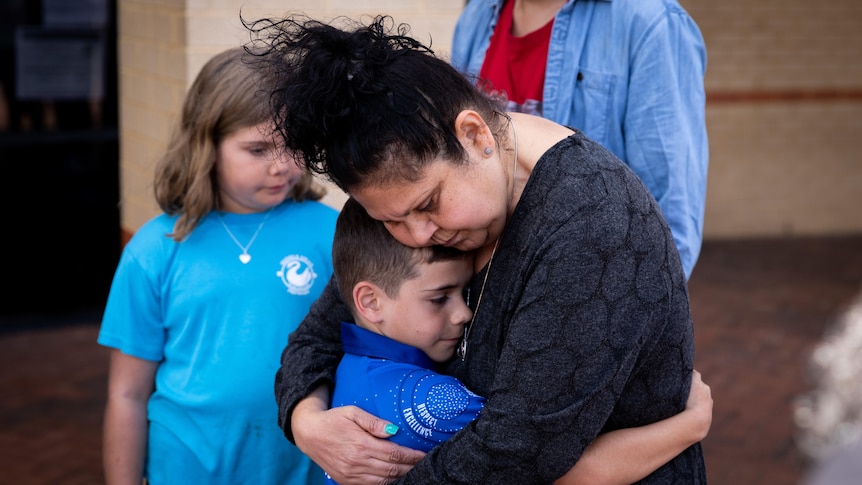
[515, 66]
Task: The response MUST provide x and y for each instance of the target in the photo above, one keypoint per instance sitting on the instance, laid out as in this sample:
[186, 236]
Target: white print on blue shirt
[297, 274]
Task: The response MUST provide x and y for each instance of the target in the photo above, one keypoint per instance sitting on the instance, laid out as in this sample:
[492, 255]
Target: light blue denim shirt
[629, 74]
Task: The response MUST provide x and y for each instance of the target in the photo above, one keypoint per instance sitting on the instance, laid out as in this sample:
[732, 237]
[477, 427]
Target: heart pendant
[245, 258]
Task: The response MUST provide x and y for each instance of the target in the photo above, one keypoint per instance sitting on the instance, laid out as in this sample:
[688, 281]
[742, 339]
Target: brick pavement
[52, 392]
[759, 307]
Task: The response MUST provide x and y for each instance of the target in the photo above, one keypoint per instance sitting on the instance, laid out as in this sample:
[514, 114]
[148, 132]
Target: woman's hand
[349, 443]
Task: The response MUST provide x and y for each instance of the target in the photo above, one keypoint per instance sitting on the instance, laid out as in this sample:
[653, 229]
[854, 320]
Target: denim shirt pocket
[592, 104]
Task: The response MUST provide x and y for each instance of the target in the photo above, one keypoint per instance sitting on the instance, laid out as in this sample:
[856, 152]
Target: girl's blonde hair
[227, 95]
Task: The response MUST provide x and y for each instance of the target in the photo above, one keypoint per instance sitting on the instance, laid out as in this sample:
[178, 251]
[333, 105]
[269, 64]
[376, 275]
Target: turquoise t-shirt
[217, 327]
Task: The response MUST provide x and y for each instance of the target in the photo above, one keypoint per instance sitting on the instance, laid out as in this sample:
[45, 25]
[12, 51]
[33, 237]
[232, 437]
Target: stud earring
[488, 151]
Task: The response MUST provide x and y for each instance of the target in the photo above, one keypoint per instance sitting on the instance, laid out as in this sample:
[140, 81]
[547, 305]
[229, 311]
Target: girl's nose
[286, 165]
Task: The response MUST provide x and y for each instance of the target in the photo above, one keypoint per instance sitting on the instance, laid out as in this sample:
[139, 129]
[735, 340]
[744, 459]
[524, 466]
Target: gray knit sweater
[584, 327]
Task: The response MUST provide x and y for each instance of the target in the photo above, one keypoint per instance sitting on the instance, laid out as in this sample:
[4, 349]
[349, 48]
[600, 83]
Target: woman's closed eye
[427, 207]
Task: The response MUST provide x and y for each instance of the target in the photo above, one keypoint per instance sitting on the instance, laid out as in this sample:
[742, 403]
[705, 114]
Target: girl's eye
[440, 300]
[258, 150]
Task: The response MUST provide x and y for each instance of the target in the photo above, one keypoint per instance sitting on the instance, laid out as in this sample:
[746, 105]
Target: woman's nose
[422, 230]
[412, 232]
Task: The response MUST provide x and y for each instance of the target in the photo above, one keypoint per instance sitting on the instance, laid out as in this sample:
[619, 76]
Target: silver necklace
[462, 349]
[244, 257]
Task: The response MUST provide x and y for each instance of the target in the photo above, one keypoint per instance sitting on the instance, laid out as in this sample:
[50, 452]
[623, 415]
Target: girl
[206, 293]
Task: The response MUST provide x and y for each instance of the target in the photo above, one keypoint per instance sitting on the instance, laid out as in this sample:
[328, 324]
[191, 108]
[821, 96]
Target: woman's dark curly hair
[364, 104]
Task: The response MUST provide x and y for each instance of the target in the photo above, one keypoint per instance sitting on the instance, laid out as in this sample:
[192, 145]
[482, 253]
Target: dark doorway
[59, 151]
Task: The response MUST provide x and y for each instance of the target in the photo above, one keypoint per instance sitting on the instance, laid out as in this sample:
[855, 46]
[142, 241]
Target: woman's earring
[488, 151]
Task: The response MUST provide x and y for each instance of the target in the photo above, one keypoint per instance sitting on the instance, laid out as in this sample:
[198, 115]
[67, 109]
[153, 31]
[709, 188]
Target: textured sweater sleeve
[312, 354]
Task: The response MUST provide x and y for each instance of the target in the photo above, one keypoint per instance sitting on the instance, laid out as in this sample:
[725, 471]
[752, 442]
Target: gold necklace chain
[462, 348]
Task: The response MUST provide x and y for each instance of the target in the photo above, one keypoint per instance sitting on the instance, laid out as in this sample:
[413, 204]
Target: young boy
[409, 311]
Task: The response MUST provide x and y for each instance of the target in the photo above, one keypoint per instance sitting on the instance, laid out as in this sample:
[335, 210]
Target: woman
[581, 318]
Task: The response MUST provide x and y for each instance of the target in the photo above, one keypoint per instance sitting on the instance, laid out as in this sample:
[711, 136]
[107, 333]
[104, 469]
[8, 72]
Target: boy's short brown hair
[364, 250]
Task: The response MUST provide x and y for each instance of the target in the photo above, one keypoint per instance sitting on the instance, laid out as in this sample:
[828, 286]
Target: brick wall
[784, 114]
[784, 99]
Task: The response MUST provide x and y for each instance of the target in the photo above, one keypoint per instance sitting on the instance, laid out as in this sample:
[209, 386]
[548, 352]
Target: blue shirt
[217, 327]
[394, 381]
[629, 74]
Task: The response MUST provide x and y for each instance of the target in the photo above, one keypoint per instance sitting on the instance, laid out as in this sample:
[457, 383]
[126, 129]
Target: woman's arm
[130, 384]
[627, 455]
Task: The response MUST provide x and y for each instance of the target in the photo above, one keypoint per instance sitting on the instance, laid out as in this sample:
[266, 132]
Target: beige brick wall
[784, 109]
[784, 114]
[780, 44]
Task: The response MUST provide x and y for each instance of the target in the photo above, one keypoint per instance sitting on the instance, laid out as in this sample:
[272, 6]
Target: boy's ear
[368, 299]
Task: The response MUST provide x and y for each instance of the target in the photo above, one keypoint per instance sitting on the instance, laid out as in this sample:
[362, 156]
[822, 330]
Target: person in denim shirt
[629, 74]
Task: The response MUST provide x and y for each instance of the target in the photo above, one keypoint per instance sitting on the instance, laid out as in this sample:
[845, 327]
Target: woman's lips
[449, 242]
